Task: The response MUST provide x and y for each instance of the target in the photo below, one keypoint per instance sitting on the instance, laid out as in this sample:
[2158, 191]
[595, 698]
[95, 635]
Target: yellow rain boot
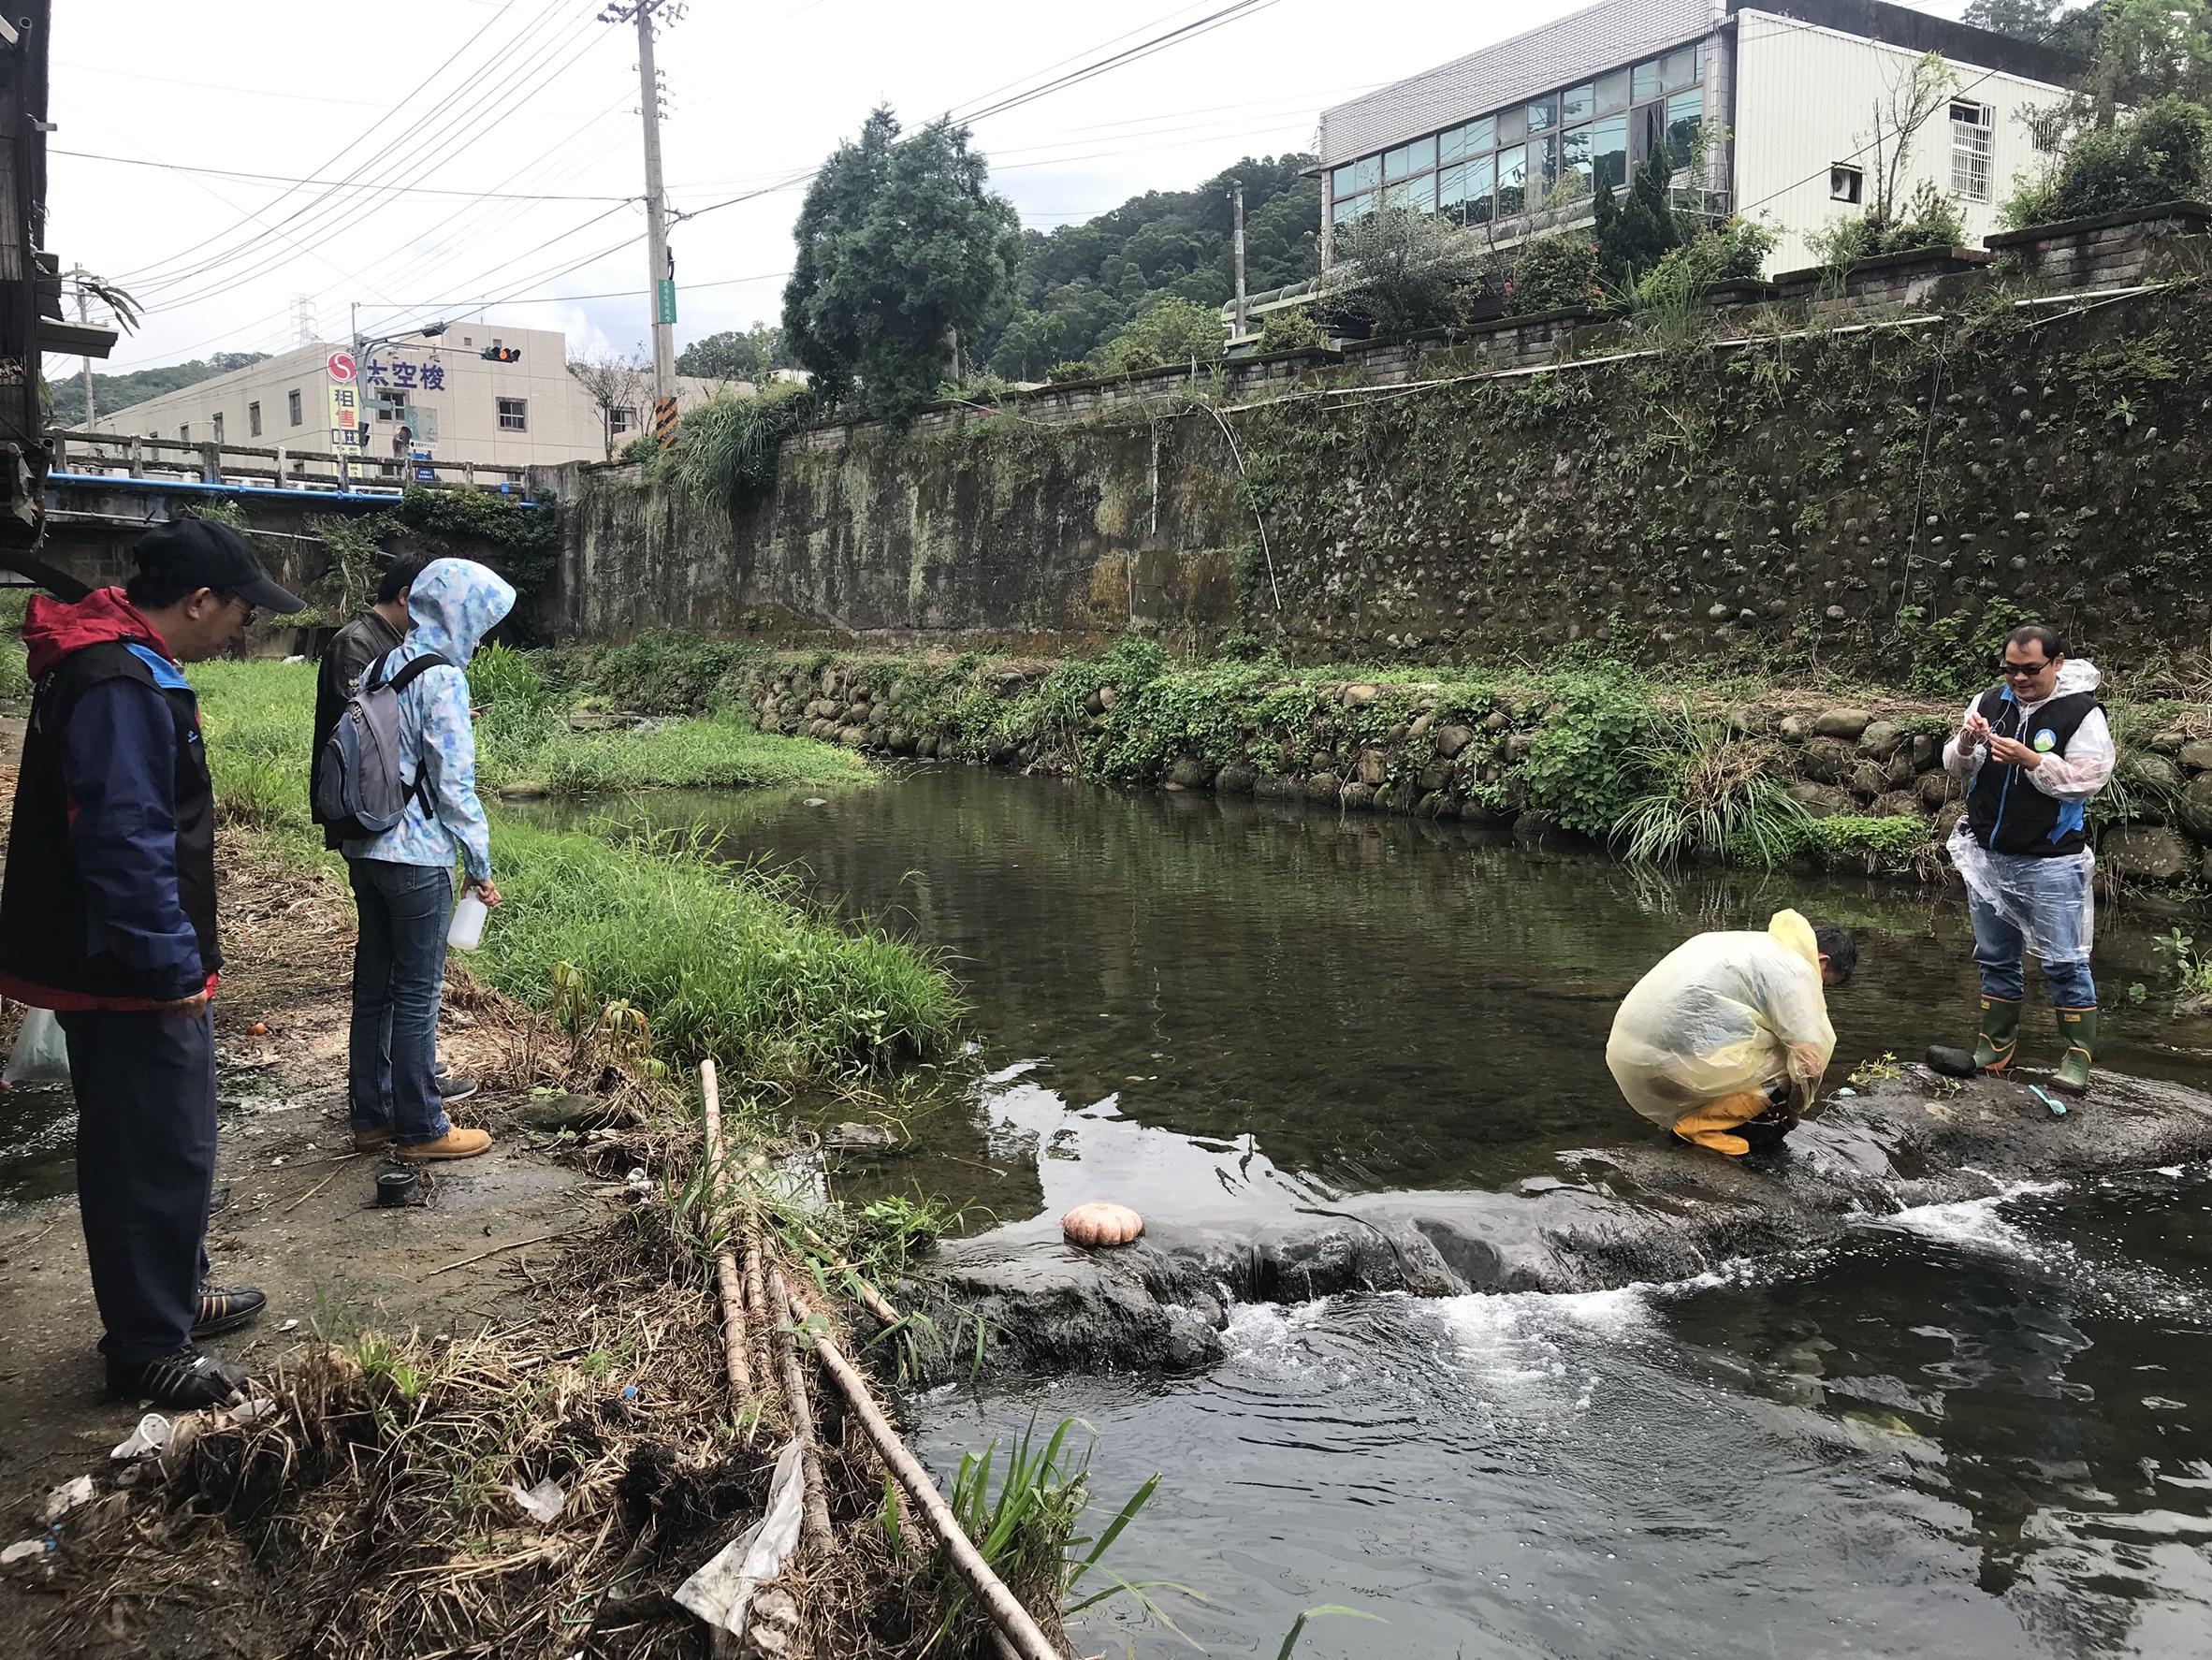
[1709, 1125]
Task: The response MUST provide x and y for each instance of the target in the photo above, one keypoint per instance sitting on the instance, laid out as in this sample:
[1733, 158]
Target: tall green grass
[14, 682]
[734, 964]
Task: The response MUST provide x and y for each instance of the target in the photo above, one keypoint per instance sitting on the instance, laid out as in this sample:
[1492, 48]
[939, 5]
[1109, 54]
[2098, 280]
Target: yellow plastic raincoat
[1721, 1017]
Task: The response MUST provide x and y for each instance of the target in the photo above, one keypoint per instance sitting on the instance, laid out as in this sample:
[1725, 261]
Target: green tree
[1633, 236]
[1404, 271]
[2053, 22]
[902, 253]
[2145, 50]
[737, 355]
[1170, 331]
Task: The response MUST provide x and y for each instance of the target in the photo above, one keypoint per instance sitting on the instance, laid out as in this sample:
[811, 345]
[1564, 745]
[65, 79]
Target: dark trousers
[145, 1086]
[399, 976]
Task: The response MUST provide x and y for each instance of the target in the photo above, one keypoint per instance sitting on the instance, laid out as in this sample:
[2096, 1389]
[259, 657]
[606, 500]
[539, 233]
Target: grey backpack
[361, 788]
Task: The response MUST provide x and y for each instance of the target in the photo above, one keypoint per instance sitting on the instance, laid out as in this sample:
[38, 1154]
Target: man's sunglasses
[2023, 671]
[252, 611]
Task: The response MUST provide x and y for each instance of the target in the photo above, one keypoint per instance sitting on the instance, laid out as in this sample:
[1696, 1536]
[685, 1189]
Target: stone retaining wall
[1876, 758]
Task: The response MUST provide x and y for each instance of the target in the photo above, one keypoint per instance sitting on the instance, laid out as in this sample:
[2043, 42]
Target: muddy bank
[1643, 1212]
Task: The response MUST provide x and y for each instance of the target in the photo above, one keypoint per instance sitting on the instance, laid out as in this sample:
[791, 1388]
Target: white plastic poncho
[1721, 1013]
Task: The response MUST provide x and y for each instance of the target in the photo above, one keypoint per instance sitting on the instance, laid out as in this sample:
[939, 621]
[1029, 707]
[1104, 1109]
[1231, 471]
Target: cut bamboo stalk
[1017, 1630]
[756, 1294]
[737, 1338]
[801, 1410]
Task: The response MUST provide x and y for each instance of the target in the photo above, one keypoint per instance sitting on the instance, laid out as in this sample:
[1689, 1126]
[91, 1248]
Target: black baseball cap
[192, 553]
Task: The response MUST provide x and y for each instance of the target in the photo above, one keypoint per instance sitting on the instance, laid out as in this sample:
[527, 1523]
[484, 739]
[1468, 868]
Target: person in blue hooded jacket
[402, 880]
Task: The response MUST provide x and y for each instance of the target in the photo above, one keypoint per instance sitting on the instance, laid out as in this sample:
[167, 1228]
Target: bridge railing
[122, 455]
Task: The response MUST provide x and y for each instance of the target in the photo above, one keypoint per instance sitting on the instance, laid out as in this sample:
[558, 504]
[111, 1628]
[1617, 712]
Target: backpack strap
[408, 670]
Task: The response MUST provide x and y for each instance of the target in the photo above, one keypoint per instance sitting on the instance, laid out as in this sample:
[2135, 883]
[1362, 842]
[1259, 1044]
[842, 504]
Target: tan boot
[1709, 1125]
[367, 1140]
[455, 1143]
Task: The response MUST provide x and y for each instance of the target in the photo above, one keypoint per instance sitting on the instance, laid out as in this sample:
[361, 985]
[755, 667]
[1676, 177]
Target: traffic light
[501, 354]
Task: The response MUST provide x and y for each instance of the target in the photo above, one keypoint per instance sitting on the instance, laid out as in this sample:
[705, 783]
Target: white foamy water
[1977, 1224]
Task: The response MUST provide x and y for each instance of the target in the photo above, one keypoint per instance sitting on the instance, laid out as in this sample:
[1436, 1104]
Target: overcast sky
[432, 106]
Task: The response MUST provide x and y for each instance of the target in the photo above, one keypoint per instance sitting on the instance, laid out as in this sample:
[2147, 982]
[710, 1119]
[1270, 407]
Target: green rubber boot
[2078, 1027]
[1999, 1034]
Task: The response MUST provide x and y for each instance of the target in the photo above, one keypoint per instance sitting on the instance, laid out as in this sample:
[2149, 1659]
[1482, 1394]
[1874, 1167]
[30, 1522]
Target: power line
[480, 196]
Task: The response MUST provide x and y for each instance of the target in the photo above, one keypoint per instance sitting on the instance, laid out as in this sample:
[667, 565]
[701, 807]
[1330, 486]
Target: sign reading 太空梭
[400, 371]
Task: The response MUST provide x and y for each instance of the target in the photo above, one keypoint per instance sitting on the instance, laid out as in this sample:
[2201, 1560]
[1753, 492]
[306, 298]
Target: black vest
[48, 936]
[2007, 814]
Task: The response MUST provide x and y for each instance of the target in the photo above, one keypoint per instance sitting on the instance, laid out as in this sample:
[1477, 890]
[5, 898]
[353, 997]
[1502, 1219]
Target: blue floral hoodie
[453, 604]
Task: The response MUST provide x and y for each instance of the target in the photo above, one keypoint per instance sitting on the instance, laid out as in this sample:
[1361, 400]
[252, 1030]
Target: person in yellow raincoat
[1723, 1043]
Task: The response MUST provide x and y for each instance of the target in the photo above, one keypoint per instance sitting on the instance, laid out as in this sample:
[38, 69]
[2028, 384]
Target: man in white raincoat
[2033, 748]
[1724, 1041]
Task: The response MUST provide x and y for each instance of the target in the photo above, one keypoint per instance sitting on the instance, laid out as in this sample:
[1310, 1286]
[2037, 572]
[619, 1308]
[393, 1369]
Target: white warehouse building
[1785, 93]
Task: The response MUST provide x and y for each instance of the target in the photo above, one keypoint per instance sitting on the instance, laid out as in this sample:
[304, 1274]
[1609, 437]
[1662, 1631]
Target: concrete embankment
[1654, 1211]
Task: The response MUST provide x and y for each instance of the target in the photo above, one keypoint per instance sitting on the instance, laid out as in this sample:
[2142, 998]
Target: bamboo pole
[872, 1299]
[756, 1293]
[736, 1338]
[801, 1410]
[1016, 1629]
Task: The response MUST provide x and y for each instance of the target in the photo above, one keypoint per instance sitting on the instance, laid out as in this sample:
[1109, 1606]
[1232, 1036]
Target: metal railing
[121, 456]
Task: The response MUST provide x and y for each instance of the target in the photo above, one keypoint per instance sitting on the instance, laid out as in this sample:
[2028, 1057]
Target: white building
[478, 392]
[1785, 93]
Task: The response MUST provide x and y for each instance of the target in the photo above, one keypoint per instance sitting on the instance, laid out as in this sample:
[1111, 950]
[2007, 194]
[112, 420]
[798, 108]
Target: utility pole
[661, 267]
[79, 274]
[1239, 255]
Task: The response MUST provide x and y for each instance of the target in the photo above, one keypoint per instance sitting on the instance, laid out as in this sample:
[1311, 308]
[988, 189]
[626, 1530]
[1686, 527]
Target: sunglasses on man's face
[252, 612]
[2024, 671]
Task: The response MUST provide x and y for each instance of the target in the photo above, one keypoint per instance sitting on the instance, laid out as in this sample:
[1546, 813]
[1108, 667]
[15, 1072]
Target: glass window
[1420, 193]
[1479, 181]
[184, 433]
[1397, 162]
[1543, 115]
[1612, 91]
[1451, 191]
[1394, 196]
[292, 412]
[513, 414]
[1608, 151]
[1574, 153]
[1512, 180]
[1579, 104]
[1684, 112]
[1646, 82]
[1350, 207]
[1340, 183]
[1512, 125]
[1367, 172]
[218, 423]
[1680, 68]
[1481, 135]
[1452, 146]
[1647, 124]
[252, 420]
[1971, 136]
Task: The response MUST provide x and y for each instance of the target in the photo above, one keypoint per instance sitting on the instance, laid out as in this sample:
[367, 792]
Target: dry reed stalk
[871, 1299]
[737, 1339]
[801, 1412]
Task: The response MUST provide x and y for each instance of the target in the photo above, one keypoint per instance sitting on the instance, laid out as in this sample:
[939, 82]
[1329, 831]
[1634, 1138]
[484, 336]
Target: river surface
[1980, 1430]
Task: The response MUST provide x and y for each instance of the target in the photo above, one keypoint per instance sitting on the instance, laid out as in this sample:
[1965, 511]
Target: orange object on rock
[1101, 1224]
[259, 1028]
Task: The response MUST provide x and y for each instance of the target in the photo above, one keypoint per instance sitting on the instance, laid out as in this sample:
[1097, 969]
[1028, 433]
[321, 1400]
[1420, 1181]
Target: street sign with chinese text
[346, 431]
[664, 300]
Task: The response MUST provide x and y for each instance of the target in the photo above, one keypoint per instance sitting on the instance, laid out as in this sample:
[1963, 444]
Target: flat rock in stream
[1650, 1211]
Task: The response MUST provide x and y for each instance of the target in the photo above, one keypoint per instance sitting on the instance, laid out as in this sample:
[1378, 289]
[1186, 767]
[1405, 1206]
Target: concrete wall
[1821, 486]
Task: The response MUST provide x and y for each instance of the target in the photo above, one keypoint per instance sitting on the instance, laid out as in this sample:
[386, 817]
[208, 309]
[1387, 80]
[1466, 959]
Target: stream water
[1983, 1429]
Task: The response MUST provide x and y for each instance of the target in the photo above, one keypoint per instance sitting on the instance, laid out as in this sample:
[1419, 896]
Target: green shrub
[668, 674]
[1168, 333]
[1929, 220]
[1403, 271]
[725, 448]
[1885, 845]
[15, 680]
[1295, 328]
[1711, 792]
[1586, 764]
[1556, 273]
[2160, 153]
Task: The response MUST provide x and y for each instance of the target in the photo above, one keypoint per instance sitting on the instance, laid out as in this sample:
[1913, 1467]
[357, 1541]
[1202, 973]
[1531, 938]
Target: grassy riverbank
[728, 962]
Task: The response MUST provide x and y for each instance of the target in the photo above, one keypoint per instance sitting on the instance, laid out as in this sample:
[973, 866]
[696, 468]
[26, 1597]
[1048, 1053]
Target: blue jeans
[2056, 892]
[145, 1086]
[398, 975]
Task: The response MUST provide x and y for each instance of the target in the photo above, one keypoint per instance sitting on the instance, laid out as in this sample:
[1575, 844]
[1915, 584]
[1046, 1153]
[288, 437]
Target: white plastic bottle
[467, 932]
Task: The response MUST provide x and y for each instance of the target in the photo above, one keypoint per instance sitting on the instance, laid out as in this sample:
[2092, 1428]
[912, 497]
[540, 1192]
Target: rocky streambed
[1644, 1212]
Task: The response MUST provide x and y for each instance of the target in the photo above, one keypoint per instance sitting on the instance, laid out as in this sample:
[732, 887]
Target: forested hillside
[1083, 281]
[111, 392]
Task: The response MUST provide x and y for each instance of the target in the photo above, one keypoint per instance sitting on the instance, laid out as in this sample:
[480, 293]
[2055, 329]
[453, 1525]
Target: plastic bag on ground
[41, 1051]
[1721, 1013]
[721, 1593]
[543, 1503]
[1994, 881]
[151, 1435]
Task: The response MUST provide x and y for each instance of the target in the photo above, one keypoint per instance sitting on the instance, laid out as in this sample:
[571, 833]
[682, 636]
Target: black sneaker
[186, 1380]
[223, 1308]
[455, 1089]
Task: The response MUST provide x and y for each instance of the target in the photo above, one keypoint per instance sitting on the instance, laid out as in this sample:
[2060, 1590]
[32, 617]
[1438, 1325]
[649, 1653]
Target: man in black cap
[107, 917]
